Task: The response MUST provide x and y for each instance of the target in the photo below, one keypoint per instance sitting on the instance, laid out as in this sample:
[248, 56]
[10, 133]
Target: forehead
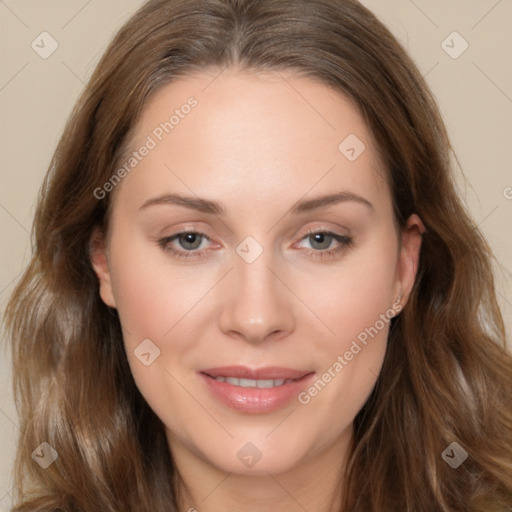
[252, 135]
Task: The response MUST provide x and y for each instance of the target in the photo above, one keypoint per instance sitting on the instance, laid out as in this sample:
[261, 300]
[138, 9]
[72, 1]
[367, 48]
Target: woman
[254, 369]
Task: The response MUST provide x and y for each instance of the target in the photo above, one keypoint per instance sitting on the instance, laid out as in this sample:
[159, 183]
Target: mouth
[255, 390]
[253, 383]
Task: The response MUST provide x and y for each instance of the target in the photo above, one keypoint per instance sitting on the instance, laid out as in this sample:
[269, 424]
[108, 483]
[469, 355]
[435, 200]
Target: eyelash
[345, 242]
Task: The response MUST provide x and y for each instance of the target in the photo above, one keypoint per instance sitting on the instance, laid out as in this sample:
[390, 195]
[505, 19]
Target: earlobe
[412, 237]
[99, 261]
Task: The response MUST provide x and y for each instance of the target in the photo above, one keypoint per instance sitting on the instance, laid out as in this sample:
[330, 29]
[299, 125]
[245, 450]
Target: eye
[322, 241]
[188, 241]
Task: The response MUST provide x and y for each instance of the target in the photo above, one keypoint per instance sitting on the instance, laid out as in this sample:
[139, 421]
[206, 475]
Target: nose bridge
[253, 275]
[258, 304]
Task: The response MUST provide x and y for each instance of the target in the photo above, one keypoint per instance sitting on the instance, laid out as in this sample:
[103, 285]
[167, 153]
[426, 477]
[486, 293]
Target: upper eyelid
[306, 233]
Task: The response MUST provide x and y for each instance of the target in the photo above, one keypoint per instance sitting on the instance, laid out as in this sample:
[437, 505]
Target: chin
[258, 456]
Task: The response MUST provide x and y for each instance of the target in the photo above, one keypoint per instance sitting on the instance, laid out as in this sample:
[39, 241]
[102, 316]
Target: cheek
[152, 294]
[353, 294]
[154, 302]
[160, 301]
[357, 305]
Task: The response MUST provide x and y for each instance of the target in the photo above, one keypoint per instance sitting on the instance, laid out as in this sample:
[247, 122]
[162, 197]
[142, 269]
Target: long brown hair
[446, 377]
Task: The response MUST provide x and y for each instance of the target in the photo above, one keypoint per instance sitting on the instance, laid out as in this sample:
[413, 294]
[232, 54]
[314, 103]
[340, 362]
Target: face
[254, 241]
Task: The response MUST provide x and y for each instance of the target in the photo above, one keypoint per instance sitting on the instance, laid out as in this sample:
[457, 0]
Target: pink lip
[256, 400]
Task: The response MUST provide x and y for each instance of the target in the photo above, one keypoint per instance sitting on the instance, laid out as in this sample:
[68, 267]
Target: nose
[258, 306]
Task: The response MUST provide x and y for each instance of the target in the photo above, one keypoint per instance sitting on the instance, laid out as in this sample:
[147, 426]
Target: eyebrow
[216, 208]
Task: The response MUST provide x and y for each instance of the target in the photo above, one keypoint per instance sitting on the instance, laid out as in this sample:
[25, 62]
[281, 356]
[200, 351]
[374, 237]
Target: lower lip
[256, 400]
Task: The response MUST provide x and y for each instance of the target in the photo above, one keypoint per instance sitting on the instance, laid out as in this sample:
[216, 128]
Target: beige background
[36, 95]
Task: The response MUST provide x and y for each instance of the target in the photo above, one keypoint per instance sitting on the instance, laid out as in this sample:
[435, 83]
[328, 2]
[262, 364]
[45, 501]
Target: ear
[409, 256]
[99, 261]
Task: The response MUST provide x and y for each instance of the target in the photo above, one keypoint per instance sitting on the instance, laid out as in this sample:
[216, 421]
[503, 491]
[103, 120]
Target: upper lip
[267, 373]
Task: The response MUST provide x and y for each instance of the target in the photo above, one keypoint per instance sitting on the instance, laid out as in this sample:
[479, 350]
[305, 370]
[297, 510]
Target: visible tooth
[247, 383]
[265, 383]
[252, 383]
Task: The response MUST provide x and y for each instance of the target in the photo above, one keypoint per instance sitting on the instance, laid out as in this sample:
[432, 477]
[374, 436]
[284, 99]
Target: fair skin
[256, 145]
